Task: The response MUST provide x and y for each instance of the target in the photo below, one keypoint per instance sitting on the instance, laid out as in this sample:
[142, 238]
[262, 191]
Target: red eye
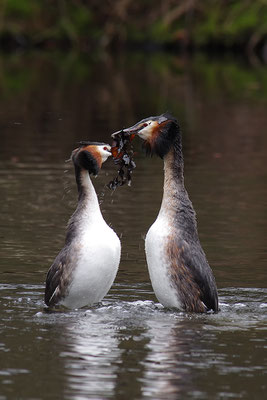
[105, 148]
[144, 125]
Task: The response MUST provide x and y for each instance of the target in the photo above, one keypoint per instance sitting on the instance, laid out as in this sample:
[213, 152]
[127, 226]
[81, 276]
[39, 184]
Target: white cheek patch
[147, 131]
[104, 153]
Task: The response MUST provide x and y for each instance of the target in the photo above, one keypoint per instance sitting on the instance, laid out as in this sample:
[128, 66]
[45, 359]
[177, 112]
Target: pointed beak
[133, 130]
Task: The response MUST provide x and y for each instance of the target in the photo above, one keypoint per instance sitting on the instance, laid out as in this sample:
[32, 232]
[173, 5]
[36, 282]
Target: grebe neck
[175, 202]
[86, 192]
[88, 207]
[173, 177]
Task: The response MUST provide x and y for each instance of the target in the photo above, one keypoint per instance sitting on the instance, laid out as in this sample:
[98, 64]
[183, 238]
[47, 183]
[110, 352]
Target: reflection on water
[92, 357]
[134, 347]
[129, 346]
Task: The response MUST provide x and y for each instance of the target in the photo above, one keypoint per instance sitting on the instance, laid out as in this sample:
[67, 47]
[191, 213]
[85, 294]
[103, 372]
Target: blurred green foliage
[86, 23]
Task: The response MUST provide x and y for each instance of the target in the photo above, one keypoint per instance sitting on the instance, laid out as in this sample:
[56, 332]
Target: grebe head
[158, 132]
[90, 156]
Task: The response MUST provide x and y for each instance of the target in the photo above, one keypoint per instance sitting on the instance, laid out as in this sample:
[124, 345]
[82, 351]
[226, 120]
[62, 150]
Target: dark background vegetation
[87, 24]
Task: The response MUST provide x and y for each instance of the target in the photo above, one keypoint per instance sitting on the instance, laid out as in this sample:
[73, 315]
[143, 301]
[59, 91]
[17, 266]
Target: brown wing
[192, 276]
[57, 279]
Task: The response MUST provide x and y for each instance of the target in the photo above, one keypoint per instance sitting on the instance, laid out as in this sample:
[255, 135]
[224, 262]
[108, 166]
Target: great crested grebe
[86, 267]
[179, 271]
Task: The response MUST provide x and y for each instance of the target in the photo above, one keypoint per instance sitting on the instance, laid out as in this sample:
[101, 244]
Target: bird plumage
[179, 271]
[86, 267]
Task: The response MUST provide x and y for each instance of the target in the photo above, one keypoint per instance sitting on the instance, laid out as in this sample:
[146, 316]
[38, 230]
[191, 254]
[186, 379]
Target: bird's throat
[87, 199]
[173, 179]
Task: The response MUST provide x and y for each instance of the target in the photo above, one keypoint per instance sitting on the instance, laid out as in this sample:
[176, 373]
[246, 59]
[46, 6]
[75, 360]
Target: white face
[146, 132]
[104, 151]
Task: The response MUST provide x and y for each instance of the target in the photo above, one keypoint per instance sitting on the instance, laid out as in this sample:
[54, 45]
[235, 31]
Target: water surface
[129, 346]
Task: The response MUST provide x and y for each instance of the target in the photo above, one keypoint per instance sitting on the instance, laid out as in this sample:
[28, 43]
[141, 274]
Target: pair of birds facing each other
[86, 267]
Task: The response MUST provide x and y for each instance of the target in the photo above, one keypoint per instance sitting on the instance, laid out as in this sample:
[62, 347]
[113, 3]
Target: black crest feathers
[168, 131]
[85, 160]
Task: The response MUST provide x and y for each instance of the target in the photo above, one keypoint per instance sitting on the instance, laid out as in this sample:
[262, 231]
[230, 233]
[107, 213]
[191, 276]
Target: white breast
[99, 251]
[158, 263]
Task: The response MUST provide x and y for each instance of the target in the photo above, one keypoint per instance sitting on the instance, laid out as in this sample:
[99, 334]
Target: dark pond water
[129, 347]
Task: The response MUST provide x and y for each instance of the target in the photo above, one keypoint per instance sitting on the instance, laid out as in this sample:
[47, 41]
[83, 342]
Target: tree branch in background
[179, 11]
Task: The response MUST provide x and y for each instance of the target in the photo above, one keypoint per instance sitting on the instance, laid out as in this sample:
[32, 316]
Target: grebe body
[158, 262]
[86, 267]
[179, 271]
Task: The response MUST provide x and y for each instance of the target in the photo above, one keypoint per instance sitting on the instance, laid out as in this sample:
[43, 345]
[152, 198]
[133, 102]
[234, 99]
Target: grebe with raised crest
[179, 271]
[86, 267]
